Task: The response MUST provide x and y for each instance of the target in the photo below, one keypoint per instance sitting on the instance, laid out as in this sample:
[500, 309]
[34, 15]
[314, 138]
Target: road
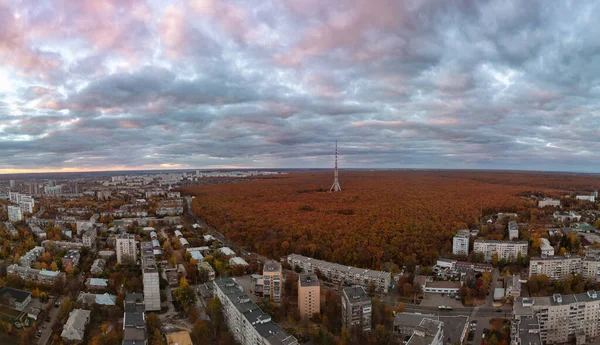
[47, 332]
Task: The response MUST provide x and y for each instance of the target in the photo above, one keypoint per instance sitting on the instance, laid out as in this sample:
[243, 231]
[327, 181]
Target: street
[47, 332]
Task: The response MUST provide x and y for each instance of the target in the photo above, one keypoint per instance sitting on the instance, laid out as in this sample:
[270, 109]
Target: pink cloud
[172, 31]
[345, 28]
[231, 18]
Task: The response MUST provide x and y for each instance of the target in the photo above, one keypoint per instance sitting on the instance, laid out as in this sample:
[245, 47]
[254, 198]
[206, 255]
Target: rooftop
[179, 338]
[356, 294]
[272, 266]
[309, 280]
[18, 295]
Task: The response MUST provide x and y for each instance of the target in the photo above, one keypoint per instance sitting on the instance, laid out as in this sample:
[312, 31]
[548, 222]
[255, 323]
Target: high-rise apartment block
[460, 243]
[513, 230]
[250, 324]
[557, 319]
[309, 295]
[356, 308]
[126, 247]
[273, 278]
[15, 214]
[507, 250]
[150, 278]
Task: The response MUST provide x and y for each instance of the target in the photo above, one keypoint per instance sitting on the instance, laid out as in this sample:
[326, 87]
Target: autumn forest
[404, 217]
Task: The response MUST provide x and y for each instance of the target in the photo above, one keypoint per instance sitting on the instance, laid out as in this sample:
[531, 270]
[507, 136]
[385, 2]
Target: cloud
[202, 83]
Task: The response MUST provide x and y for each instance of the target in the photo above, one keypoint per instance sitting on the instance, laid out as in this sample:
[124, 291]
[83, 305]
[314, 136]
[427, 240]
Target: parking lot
[436, 300]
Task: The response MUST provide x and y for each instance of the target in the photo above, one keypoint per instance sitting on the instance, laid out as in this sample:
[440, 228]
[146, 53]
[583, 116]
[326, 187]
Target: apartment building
[273, 278]
[507, 250]
[309, 295]
[340, 273]
[15, 214]
[31, 256]
[89, 237]
[150, 278]
[134, 320]
[561, 318]
[549, 202]
[555, 267]
[546, 248]
[126, 247]
[35, 275]
[590, 268]
[513, 230]
[460, 243]
[356, 308]
[249, 324]
[71, 259]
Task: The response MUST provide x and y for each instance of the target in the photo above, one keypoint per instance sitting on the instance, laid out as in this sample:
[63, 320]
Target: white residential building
[555, 267]
[31, 256]
[460, 243]
[341, 273]
[15, 214]
[549, 202]
[560, 318]
[126, 247]
[591, 197]
[252, 326]
[546, 248]
[507, 250]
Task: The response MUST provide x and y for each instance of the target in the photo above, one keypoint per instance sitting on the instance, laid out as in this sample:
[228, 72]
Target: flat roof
[309, 279]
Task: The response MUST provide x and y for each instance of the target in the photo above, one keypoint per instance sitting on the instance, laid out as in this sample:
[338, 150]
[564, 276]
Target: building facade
[561, 318]
[356, 308]
[340, 273]
[126, 247]
[460, 243]
[273, 278]
[249, 324]
[309, 295]
[507, 250]
[513, 230]
[555, 267]
[548, 202]
[15, 214]
[150, 278]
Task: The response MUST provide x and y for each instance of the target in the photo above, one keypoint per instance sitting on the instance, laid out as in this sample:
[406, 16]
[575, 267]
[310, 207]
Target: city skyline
[146, 85]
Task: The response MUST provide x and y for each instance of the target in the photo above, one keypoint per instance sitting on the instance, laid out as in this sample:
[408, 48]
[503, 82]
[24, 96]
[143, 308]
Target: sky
[133, 84]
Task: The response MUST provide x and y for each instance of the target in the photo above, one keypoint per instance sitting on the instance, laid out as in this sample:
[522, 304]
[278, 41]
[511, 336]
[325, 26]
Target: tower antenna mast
[336, 183]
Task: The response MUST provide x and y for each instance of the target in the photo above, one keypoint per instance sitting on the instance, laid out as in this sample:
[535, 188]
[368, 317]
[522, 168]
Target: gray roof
[272, 266]
[257, 318]
[356, 294]
[18, 295]
[309, 280]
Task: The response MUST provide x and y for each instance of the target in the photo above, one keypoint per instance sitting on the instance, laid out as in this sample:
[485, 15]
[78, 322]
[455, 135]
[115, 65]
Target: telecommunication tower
[336, 183]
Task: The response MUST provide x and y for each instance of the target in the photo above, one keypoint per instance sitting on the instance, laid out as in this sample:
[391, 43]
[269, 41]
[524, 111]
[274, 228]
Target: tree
[153, 322]
[400, 308]
[184, 294]
[157, 338]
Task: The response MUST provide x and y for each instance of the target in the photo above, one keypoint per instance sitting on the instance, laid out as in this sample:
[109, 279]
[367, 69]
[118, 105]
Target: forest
[404, 217]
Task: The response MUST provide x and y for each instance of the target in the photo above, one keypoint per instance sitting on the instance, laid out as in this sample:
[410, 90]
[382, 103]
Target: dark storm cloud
[455, 84]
